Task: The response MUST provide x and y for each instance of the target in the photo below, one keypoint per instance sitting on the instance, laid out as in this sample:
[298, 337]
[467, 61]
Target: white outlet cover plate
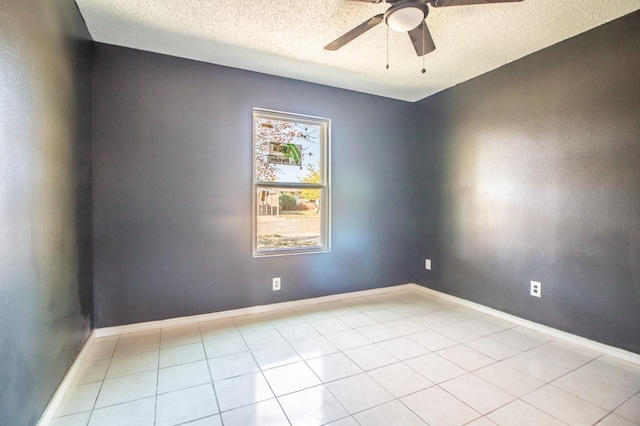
[276, 284]
[536, 288]
[427, 264]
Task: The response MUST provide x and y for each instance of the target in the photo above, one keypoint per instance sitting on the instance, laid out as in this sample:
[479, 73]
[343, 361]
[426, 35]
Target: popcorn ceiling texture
[286, 38]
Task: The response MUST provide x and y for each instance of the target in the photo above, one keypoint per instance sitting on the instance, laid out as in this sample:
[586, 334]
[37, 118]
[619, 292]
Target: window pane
[288, 218]
[285, 150]
[291, 176]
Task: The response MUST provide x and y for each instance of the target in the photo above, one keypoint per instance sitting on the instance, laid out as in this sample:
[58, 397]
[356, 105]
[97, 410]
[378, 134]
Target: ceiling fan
[406, 16]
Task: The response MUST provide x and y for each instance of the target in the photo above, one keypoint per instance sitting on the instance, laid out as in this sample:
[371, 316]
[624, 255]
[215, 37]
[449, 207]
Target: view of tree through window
[291, 202]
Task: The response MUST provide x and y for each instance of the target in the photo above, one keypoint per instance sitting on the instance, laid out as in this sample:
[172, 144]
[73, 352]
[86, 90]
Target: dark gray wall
[532, 172]
[45, 201]
[172, 189]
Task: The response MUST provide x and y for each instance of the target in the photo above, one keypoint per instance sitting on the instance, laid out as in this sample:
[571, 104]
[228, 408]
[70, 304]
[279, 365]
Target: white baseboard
[553, 332]
[55, 402]
[568, 337]
[174, 322]
[68, 380]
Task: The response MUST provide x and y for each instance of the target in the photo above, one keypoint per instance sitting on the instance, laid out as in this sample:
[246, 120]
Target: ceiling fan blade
[357, 31]
[421, 39]
[443, 3]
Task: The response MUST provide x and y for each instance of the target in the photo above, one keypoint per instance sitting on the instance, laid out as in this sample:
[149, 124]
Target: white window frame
[323, 186]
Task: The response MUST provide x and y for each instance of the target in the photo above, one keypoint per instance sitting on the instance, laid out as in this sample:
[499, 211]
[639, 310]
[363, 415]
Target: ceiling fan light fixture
[405, 16]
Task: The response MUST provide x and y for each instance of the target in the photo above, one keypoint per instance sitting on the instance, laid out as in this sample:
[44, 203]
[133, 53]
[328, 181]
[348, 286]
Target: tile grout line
[155, 397]
[261, 371]
[206, 360]
[322, 383]
[104, 378]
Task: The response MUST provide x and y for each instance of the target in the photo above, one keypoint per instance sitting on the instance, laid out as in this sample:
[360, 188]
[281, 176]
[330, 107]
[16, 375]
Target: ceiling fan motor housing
[405, 15]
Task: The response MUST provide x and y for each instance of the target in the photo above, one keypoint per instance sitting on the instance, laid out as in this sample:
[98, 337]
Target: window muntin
[290, 183]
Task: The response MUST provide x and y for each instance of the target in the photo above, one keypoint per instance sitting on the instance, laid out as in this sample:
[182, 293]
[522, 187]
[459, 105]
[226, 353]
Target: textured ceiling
[286, 38]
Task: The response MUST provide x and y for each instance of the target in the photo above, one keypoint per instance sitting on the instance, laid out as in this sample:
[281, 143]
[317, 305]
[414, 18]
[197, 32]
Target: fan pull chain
[387, 47]
[424, 41]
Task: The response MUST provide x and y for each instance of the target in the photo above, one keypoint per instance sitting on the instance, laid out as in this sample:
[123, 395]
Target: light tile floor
[402, 358]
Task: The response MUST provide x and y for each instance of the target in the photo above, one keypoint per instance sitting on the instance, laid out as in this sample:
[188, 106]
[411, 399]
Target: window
[290, 183]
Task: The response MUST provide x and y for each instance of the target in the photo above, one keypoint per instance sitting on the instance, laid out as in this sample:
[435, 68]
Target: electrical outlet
[427, 264]
[536, 288]
[276, 284]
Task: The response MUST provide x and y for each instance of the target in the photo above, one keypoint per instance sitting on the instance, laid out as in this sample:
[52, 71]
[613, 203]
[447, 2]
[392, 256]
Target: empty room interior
[471, 194]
